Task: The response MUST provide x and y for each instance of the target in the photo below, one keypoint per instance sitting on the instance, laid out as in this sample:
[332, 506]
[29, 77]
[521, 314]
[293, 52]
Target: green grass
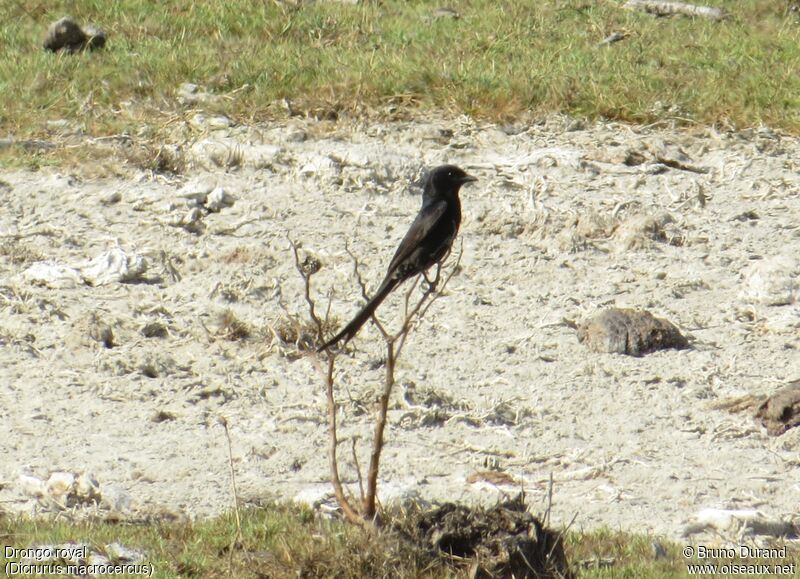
[280, 541]
[500, 60]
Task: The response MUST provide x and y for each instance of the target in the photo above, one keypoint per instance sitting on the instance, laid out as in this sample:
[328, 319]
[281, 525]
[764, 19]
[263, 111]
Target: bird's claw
[432, 283]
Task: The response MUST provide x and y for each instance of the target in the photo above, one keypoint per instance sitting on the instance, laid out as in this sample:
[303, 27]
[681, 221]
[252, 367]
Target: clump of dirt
[501, 541]
[781, 411]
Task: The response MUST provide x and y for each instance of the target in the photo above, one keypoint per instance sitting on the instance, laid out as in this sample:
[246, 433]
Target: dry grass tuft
[231, 327]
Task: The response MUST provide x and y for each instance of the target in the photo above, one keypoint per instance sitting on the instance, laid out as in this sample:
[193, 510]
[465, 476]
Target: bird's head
[446, 179]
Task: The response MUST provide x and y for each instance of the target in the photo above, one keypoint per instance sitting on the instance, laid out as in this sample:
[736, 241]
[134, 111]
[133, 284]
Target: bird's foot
[431, 283]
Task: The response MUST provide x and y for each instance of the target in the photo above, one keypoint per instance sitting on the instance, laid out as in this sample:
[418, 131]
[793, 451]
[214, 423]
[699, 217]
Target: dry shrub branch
[364, 511]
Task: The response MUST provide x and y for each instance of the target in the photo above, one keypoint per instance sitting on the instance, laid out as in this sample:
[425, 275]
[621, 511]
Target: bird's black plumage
[427, 242]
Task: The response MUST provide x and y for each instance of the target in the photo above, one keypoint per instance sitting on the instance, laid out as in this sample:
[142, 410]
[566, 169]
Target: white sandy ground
[631, 443]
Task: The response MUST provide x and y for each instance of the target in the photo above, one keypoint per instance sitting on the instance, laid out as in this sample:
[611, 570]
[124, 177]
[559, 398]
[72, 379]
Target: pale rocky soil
[566, 220]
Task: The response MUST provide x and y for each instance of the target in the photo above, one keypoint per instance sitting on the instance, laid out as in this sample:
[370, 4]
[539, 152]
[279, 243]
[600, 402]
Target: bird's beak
[468, 179]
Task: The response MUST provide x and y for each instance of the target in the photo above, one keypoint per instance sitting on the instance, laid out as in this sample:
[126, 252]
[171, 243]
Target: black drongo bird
[427, 242]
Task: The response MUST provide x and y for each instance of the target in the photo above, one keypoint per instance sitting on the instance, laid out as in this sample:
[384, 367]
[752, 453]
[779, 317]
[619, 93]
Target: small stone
[219, 199]
[32, 486]
[192, 221]
[86, 489]
[191, 94]
[52, 275]
[774, 281]
[112, 198]
[119, 553]
[630, 332]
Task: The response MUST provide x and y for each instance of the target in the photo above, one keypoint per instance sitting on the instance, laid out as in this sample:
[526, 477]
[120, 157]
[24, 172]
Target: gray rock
[631, 332]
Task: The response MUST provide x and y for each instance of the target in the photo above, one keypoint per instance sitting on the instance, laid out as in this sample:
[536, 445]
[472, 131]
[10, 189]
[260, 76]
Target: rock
[114, 266]
[191, 221]
[111, 198]
[738, 522]
[219, 199]
[116, 500]
[781, 411]
[191, 94]
[773, 281]
[52, 275]
[119, 553]
[86, 487]
[66, 34]
[631, 332]
[59, 484]
[202, 122]
[196, 191]
[32, 486]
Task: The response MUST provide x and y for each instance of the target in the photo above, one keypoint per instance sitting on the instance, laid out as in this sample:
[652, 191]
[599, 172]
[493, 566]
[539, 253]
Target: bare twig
[363, 286]
[238, 537]
[422, 307]
[307, 270]
[546, 518]
[358, 469]
[349, 511]
[377, 439]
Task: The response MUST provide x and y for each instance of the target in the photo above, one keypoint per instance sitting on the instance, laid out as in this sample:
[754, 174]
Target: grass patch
[280, 541]
[498, 60]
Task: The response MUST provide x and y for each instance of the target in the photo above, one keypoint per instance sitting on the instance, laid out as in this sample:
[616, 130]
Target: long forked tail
[364, 315]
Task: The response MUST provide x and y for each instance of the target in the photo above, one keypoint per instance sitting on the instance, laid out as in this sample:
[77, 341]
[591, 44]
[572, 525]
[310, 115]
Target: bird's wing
[425, 221]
